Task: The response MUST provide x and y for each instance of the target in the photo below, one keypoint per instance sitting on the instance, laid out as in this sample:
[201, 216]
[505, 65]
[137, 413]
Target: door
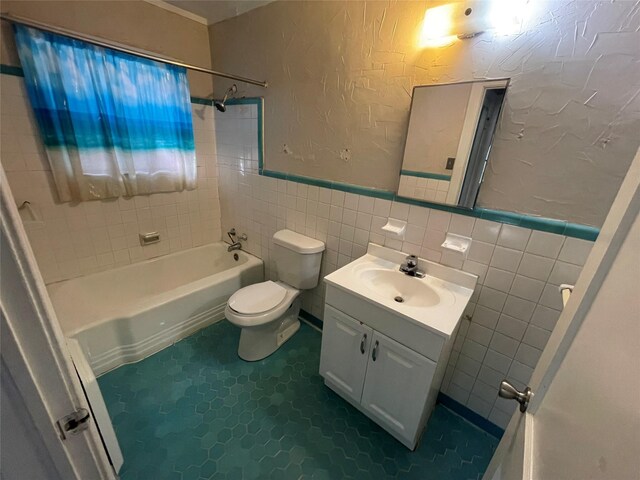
[39, 384]
[583, 420]
[396, 386]
[344, 353]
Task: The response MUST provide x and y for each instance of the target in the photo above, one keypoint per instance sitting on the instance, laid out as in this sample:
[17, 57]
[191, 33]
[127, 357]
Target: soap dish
[457, 243]
[395, 227]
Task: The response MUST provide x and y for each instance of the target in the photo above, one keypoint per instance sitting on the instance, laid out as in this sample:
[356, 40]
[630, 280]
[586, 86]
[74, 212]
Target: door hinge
[74, 423]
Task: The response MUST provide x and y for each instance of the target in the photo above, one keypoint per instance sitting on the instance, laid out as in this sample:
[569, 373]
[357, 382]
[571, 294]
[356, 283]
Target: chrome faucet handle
[232, 233]
[412, 261]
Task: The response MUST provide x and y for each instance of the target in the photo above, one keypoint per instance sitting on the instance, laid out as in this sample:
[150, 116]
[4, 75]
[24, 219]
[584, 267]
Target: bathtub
[127, 313]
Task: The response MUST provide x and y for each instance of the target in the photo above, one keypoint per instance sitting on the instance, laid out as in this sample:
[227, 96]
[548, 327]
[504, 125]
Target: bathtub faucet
[235, 243]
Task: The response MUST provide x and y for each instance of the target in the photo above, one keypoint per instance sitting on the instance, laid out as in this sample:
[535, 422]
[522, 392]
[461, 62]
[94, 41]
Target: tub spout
[234, 246]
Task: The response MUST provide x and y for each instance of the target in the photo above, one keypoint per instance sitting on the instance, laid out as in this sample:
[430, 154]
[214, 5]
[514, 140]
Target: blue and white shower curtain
[113, 124]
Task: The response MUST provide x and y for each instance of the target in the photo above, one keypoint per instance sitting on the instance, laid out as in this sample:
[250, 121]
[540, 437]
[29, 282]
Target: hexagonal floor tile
[196, 411]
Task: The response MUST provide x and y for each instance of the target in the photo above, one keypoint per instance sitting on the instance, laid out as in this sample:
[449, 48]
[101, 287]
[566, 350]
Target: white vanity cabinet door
[344, 354]
[396, 387]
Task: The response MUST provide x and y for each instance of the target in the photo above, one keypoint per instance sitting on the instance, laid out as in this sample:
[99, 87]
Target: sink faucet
[410, 267]
[235, 244]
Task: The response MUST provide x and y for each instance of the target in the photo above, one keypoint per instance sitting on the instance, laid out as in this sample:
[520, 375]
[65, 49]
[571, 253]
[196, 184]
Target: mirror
[449, 139]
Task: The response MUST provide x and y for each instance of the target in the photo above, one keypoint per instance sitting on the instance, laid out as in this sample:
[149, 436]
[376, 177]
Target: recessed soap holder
[395, 227]
[149, 238]
[457, 243]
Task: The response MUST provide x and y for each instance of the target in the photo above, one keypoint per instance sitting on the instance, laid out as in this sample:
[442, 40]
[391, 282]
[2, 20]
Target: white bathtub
[125, 314]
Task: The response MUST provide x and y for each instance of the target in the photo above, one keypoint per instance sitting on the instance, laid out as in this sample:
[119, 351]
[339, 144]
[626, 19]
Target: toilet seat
[257, 298]
[256, 319]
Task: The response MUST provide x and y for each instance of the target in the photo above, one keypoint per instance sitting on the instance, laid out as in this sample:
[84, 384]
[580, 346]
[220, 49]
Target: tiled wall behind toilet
[514, 307]
[76, 239]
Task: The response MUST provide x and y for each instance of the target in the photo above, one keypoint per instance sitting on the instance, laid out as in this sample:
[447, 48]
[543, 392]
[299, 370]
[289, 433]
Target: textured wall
[341, 75]
[138, 24]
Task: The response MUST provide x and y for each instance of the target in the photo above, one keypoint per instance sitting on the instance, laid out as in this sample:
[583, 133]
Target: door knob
[510, 392]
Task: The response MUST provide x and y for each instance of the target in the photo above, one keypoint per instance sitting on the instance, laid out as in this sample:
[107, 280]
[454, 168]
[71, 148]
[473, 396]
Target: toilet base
[257, 343]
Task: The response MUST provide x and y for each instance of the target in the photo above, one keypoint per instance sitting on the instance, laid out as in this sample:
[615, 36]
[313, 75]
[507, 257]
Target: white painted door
[396, 386]
[583, 420]
[39, 383]
[345, 348]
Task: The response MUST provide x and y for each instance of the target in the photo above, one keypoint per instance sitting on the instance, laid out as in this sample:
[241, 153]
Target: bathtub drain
[399, 299]
[235, 257]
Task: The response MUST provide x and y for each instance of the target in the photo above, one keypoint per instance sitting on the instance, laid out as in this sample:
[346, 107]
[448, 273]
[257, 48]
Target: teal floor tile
[196, 411]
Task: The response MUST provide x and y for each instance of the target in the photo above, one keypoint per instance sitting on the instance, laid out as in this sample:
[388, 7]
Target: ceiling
[215, 11]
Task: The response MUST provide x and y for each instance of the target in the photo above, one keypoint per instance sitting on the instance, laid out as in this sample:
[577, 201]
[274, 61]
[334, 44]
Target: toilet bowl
[267, 312]
[266, 321]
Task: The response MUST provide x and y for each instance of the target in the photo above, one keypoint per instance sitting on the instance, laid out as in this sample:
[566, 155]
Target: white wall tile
[519, 308]
[527, 288]
[480, 252]
[480, 334]
[438, 220]
[514, 237]
[545, 317]
[491, 298]
[503, 344]
[506, 259]
[564, 273]
[575, 250]
[499, 279]
[535, 266]
[536, 337]
[418, 216]
[545, 244]
[528, 355]
[486, 231]
[461, 225]
[497, 361]
[486, 317]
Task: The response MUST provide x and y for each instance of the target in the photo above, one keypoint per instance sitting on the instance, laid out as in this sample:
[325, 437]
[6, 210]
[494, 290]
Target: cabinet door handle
[362, 343]
[374, 353]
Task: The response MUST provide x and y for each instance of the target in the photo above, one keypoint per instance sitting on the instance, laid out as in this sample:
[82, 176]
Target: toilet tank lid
[297, 242]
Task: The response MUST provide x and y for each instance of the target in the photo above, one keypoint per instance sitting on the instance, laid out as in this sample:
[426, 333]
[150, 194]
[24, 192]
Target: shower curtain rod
[123, 48]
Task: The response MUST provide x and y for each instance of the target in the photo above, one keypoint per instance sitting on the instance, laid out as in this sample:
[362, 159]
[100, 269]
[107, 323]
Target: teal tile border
[344, 187]
[435, 176]
[470, 416]
[202, 101]
[561, 227]
[551, 225]
[11, 70]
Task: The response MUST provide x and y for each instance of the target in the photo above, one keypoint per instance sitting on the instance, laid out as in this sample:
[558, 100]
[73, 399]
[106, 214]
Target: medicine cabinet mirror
[451, 129]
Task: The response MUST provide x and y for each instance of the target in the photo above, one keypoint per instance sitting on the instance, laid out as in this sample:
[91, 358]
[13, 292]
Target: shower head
[233, 89]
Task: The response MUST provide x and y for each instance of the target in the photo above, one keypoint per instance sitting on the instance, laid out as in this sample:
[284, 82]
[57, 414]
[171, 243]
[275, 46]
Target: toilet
[267, 312]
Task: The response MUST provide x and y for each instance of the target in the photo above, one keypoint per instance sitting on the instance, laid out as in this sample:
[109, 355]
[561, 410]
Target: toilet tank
[298, 259]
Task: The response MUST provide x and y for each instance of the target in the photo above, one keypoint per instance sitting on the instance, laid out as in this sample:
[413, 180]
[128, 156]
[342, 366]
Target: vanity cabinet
[383, 378]
[387, 337]
[396, 386]
[344, 356]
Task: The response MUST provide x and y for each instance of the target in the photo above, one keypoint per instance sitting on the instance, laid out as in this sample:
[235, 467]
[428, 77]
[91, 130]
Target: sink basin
[435, 302]
[399, 287]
